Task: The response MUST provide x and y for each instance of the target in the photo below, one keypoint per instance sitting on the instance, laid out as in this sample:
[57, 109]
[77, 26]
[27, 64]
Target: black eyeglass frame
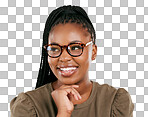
[66, 46]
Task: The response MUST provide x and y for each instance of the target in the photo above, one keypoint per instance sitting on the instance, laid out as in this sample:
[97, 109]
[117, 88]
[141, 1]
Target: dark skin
[66, 93]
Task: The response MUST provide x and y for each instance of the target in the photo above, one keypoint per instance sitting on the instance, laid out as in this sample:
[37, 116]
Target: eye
[53, 48]
[75, 47]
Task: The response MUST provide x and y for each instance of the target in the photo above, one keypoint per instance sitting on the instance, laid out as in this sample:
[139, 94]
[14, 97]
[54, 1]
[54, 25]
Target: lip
[67, 73]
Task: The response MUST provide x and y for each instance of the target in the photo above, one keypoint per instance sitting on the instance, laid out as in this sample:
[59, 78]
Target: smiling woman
[63, 88]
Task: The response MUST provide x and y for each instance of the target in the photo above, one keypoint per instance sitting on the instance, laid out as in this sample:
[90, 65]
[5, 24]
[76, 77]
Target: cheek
[87, 54]
[85, 59]
[51, 62]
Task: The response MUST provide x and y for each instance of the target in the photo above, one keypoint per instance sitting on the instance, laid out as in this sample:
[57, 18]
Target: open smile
[68, 72]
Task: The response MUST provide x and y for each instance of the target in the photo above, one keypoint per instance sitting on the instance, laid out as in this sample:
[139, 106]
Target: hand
[63, 98]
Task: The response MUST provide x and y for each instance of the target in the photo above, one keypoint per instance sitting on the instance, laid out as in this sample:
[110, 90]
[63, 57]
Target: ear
[94, 52]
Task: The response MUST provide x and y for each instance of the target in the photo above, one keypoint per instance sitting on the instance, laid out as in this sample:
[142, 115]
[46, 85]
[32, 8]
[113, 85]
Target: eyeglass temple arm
[88, 43]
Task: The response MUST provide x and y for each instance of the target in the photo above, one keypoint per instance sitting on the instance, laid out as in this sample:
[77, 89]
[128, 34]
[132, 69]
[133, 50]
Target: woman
[63, 87]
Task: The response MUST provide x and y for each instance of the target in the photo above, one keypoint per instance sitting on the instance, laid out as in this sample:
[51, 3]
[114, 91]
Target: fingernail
[76, 85]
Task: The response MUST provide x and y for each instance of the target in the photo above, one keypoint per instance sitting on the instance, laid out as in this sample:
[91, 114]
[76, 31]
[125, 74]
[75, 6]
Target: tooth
[68, 68]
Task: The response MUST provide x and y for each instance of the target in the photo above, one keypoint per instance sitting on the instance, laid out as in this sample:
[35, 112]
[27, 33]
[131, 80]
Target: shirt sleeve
[122, 105]
[22, 106]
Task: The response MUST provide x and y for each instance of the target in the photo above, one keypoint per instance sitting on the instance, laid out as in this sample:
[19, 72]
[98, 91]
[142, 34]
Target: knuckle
[53, 92]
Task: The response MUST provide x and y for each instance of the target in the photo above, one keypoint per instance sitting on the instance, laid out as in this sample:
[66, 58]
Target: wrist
[64, 114]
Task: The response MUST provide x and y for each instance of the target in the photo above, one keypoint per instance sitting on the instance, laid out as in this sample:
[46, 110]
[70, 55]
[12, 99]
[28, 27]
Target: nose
[65, 56]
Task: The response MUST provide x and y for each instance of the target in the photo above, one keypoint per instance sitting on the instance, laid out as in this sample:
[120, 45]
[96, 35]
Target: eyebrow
[69, 43]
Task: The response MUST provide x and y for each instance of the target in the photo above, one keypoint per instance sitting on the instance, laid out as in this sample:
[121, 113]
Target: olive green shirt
[104, 101]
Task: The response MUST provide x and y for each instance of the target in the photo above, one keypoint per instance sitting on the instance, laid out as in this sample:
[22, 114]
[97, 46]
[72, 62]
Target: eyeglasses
[73, 49]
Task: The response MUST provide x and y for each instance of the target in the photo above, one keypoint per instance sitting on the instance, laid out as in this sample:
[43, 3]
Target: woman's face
[63, 34]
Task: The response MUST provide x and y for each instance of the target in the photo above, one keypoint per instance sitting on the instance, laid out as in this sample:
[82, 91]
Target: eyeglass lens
[55, 50]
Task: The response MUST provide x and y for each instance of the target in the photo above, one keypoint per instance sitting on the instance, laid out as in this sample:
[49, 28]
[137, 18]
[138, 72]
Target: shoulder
[118, 100]
[41, 95]
[25, 103]
[105, 93]
[122, 97]
[122, 104]
[39, 92]
[117, 93]
[22, 106]
[105, 90]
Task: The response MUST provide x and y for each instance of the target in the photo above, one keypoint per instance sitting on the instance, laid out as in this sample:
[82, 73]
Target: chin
[69, 81]
[66, 81]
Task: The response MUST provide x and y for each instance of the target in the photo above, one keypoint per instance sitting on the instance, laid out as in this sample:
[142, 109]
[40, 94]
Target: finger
[68, 86]
[78, 95]
[75, 86]
[70, 90]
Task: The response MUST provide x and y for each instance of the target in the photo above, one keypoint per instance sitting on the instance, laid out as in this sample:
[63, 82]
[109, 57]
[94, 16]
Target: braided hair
[61, 15]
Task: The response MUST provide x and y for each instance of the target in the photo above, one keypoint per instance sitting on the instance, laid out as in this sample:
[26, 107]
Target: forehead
[69, 32]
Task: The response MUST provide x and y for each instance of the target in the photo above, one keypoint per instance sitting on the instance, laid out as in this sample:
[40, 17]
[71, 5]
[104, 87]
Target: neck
[84, 85]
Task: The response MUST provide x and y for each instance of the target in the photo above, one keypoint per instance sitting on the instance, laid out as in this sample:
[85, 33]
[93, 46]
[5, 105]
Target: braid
[61, 15]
